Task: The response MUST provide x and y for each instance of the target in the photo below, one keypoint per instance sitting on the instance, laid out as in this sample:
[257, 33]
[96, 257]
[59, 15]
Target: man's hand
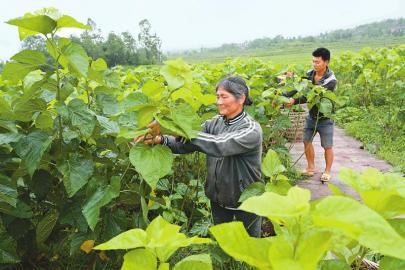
[290, 102]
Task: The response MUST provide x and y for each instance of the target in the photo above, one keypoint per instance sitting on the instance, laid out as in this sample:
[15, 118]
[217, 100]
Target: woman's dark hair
[236, 86]
[323, 53]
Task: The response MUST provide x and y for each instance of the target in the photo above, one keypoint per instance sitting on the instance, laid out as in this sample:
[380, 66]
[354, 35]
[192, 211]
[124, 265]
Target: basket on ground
[295, 132]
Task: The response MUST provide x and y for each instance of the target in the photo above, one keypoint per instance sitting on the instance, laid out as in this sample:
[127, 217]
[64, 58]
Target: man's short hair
[323, 53]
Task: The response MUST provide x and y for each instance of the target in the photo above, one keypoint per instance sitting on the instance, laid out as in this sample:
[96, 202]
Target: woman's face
[228, 105]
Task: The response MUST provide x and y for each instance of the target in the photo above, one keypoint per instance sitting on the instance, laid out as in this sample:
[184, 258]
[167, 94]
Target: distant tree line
[116, 49]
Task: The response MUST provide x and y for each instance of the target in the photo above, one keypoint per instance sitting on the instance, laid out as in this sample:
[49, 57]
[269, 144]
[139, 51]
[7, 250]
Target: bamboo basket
[296, 131]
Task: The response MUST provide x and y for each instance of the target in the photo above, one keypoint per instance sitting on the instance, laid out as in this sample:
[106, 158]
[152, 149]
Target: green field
[291, 53]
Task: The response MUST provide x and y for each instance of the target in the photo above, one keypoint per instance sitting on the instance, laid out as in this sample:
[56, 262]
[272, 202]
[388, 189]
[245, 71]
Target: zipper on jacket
[215, 182]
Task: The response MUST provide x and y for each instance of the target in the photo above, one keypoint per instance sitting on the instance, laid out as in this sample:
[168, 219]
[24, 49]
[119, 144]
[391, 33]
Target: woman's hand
[153, 137]
[289, 74]
[148, 139]
[154, 128]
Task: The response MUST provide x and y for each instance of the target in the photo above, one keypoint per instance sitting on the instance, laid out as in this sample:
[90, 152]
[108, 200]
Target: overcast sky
[195, 23]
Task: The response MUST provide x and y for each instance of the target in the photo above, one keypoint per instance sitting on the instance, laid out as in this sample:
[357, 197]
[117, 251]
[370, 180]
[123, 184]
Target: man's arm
[290, 94]
[330, 85]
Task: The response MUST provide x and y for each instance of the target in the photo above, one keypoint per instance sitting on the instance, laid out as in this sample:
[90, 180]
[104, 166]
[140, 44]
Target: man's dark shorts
[324, 127]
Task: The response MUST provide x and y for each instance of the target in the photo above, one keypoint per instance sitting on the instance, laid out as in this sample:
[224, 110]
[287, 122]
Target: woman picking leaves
[232, 141]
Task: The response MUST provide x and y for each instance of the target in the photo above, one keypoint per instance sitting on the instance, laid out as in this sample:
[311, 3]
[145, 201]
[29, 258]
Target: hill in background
[279, 49]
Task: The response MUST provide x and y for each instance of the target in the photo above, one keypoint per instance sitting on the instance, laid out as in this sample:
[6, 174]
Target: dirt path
[347, 154]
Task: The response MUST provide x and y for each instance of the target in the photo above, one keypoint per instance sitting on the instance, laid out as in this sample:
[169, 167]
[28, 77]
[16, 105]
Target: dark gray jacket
[234, 150]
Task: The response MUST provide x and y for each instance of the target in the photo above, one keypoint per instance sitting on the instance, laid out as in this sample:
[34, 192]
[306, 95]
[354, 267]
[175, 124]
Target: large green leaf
[386, 202]
[153, 89]
[45, 226]
[164, 238]
[6, 124]
[384, 193]
[389, 263]
[146, 114]
[108, 127]
[182, 121]
[30, 57]
[77, 58]
[234, 240]
[10, 137]
[193, 96]
[99, 65]
[128, 133]
[23, 63]
[44, 120]
[279, 187]
[26, 108]
[326, 107]
[304, 254]
[281, 255]
[91, 209]
[139, 259]
[76, 172]
[67, 21]
[7, 115]
[177, 73]
[108, 103]
[360, 223]
[8, 190]
[399, 225]
[134, 99]
[195, 262]
[254, 189]
[185, 118]
[35, 24]
[16, 71]
[169, 127]
[159, 231]
[70, 55]
[32, 147]
[164, 266]
[277, 207]
[315, 243]
[151, 162]
[8, 247]
[54, 49]
[32, 82]
[133, 238]
[334, 265]
[81, 117]
[161, 238]
[271, 164]
[22, 210]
